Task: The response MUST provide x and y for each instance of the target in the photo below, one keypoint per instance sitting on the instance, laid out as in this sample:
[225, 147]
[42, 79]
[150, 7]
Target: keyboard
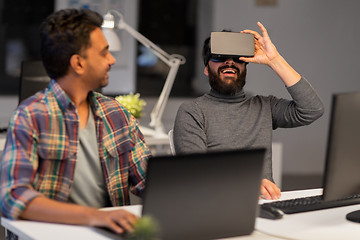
[312, 203]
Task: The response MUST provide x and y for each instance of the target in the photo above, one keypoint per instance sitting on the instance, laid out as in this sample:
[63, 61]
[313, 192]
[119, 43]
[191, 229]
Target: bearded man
[227, 119]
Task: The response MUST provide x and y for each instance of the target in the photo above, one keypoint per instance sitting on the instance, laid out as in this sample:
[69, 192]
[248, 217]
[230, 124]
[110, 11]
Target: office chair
[171, 141]
[33, 78]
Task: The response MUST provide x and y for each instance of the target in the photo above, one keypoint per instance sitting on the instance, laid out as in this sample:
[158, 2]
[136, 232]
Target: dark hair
[63, 34]
[206, 52]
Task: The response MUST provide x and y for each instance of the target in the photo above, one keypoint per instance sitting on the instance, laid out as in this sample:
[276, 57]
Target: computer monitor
[342, 176]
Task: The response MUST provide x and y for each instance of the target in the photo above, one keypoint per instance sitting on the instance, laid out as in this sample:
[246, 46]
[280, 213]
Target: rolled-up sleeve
[18, 167]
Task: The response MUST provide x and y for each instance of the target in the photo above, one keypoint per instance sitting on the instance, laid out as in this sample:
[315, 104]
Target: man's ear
[206, 70]
[77, 64]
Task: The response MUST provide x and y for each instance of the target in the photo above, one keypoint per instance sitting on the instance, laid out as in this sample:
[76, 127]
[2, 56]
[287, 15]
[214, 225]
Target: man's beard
[222, 87]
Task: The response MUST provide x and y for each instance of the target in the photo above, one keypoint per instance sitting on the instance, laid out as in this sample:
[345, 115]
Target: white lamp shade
[112, 38]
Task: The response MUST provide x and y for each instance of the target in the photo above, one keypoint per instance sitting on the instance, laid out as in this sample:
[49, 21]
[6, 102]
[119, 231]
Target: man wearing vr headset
[225, 118]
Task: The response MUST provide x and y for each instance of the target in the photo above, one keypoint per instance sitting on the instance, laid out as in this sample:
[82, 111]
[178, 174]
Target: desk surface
[322, 224]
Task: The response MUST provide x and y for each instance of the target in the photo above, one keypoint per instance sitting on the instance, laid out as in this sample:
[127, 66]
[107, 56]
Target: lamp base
[154, 138]
[151, 132]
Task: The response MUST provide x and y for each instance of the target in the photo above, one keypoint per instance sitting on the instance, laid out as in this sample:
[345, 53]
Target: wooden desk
[323, 224]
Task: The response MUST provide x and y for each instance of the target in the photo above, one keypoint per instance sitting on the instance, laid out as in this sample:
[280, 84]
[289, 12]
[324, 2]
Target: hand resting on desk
[48, 210]
[269, 190]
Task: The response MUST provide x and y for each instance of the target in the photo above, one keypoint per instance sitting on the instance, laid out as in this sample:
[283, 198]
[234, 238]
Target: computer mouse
[269, 212]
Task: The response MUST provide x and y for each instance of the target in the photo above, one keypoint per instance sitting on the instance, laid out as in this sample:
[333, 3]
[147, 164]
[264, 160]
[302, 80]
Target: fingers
[263, 29]
[247, 59]
[119, 221]
[269, 190]
[257, 36]
[115, 227]
[125, 220]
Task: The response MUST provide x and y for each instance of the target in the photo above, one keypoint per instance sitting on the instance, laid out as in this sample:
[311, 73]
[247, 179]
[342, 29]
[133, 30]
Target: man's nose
[230, 61]
[112, 59]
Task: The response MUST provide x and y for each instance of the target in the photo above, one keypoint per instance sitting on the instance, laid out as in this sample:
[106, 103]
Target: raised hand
[265, 51]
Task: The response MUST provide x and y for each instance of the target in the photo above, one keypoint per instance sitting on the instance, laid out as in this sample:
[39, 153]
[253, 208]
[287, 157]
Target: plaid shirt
[39, 157]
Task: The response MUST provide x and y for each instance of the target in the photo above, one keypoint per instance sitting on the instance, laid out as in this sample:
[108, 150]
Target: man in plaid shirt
[70, 150]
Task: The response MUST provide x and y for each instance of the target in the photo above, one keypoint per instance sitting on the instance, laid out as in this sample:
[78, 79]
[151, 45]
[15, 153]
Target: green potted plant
[133, 103]
[146, 228]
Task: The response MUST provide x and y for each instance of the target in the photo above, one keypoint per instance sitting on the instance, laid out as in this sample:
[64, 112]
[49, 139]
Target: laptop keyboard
[312, 203]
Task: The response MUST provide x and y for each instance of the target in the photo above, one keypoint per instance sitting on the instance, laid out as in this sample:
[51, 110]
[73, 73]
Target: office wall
[123, 73]
[320, 40]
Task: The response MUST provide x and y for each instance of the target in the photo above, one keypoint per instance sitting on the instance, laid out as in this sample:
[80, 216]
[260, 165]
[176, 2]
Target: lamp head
[108, 28]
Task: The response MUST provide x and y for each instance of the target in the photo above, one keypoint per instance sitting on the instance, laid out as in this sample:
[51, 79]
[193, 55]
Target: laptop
[204, 195]
[341, 181]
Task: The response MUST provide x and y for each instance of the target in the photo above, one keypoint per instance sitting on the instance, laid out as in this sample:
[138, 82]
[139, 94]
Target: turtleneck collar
[238, 96]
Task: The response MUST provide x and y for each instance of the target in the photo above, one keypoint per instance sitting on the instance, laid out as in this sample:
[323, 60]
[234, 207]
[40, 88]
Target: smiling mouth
[228, 71]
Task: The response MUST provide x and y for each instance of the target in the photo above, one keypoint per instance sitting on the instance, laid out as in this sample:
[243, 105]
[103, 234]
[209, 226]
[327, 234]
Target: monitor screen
[342, 176]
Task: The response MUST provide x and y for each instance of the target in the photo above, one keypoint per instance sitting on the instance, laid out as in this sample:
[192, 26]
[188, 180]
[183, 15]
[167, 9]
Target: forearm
[304, 109]
[305, 96]
[282, 68]
[48, 210]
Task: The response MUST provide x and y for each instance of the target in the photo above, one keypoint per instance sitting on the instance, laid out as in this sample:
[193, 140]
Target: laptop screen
[342, 168]
[205, 195]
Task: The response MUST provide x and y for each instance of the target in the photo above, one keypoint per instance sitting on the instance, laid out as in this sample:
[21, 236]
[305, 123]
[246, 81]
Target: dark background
[169, 24]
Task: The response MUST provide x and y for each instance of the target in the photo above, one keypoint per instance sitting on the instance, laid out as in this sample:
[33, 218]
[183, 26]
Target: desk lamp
[173, 61]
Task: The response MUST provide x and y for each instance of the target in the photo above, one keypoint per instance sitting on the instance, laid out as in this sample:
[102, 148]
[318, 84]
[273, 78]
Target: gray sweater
[217, 122]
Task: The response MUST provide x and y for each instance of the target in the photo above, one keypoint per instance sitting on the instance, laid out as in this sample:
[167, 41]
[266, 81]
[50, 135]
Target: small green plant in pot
[133, 103]
[146, 228]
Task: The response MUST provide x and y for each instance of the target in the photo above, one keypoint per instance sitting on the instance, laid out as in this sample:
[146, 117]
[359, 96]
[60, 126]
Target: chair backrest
[171, 141]
[33, 78]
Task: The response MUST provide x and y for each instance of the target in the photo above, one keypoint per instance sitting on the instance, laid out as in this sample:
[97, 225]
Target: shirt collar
[62, 98]
[236, 96]
[64, 101]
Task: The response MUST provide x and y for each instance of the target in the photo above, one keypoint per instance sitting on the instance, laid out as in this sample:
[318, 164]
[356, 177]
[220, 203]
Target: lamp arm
[164, 56]
[173, 61]
[158, 111]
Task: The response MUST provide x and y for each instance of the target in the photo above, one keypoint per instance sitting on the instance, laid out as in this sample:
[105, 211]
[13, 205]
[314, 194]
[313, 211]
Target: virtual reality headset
[230, 45]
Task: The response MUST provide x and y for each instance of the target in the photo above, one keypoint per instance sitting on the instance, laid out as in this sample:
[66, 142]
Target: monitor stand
[354, 216]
